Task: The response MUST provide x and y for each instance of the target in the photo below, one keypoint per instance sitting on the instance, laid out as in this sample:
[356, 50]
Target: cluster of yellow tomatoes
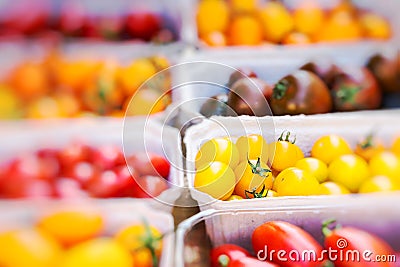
[57, 86]
[71, 238]
[251, 168]
[246, 22]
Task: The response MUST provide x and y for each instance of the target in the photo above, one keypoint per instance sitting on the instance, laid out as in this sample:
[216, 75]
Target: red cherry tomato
[104, 185]
[223, 255]
[68, 188]
[74, 153]
[350, 239]
[148, 187]
[143, 25]
[83, 172]
[149, 164]
[29, 189]
[287, 237]
[32, 167]
[251, 262]
[107, 157]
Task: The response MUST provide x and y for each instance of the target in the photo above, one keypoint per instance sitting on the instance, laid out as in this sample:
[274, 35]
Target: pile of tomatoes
[251, 168]
[60, 87]
[316, 87]
[76, 19]
[245, 22]
[280, 243]
[72, 238]
[79, 170]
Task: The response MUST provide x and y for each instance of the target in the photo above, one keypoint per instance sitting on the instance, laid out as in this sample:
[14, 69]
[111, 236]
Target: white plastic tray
[138, 134]
[373, 213]
[353, 126]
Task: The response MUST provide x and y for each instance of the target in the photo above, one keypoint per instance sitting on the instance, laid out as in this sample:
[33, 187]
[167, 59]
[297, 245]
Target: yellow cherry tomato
[295, 182]
[385, 163]
[369, 147]
[252, 176]
[379, 183]
[252, 146]
[70, 227]
[349, 170]
[138, 239]
[217, 180]
[284, 154]
[314, 166]
[329, 147]
[27, 247]
[396, 146]
[212, 15]
[332, 188]
[217, 149]
[100, 252]
[234, 197]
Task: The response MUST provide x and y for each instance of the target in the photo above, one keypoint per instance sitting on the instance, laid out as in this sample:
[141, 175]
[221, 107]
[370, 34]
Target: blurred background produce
[251, 22]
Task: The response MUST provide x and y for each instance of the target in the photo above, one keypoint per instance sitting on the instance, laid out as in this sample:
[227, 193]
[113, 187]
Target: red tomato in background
[349, 239]
[107, 157]
[149, 164]
[83, 172]
[223, 255]
[147, 187]
[74, 153]
[72, 18]
[280, 235]
[143, 25]
[30, 166]
[68, 188]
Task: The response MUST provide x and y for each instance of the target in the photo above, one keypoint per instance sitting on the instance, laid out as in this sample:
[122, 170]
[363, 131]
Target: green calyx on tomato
[280, 89]
[255, 194]
[327, 225]
[150, 242]
[223, 260]
[286, 138]
[257, 169]
[368, 142]
[347, 93]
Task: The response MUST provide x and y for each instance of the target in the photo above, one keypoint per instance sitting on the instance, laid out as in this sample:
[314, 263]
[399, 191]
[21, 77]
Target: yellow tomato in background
[379, 183]
[10, 104]
[375, 26]
[329, 147]
[252, 146]
[146, 101]
[252, 177]
[217, 149]
[70, 227]
[245, 30]
[283, 154]
[276, 21]
[295, 182]
[100, 252]
[369, 147]
[212, 15]
[131, 77]
[234, 197]
[349, 170]
[28, 247]
[243, 6]
[137, 239]
[217, 180]
[308, 18]
[396, 146]
[385, 163]
[314, 166]
[332, 188]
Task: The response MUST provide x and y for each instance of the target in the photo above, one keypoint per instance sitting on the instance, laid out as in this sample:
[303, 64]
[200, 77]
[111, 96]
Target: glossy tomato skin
[350, 239]
[385, 71]
[239, 74]
[231, 251]
[149, 186]
[251, 262]
[301, 92]
[355, 89]
[246, 97]
[107, 156]
[280, 235]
